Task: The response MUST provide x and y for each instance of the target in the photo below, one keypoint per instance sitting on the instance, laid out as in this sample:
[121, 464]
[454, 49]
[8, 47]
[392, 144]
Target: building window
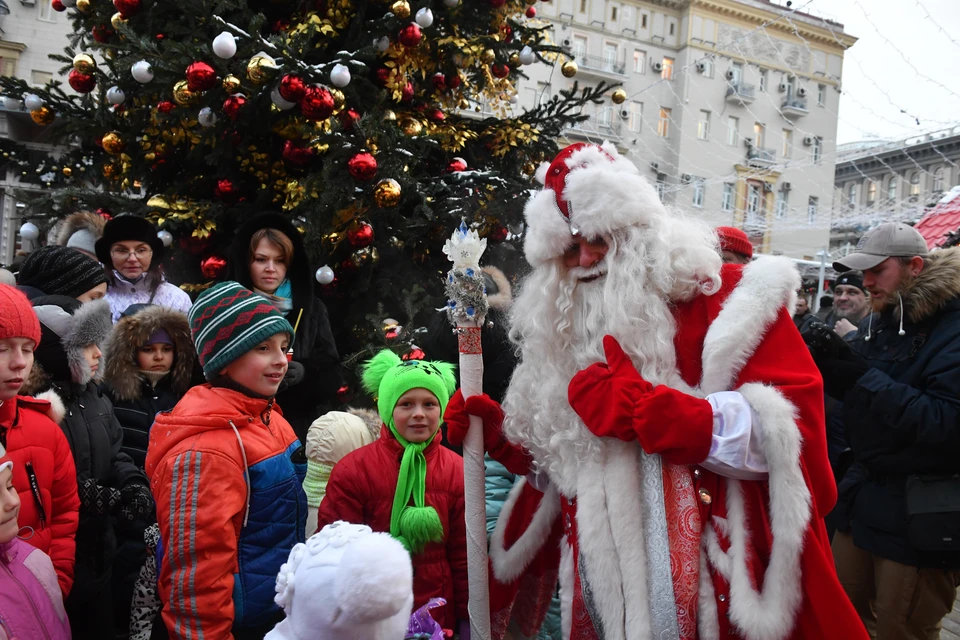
[726, 204]
[852, 196]
[914, 185]
[604, 116]
[813, 203]
[609, 56]
[613, 13]
[736, 73]
[699, 189]
[667, 72]
[703, 126]
[543, 93]
[938, 180]
[40, 78]
[45, 11]
[661, 187]
[636, 111]
[782, 203]
[579, 46]
[583, 6]
[753, 205]
[892, 188]
[663, 125]
[821, 95]
[763, 80]
[8, 66]
[733, 130]
[673, 28]
[758, 134]
[787, 143]
[707, 67]
[871, 192]
[639, 61]
[643, 21]
[817, 149]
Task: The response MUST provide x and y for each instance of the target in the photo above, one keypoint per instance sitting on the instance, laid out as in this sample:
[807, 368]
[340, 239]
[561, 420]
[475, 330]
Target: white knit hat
[4, 464]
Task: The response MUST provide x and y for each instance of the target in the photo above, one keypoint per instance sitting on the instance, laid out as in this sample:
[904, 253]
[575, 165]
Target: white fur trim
[708, 618]
[509, 564]
[57, 410]
[567, 585]
[769, 284]
[541, 173]
[769, 615]
[549, 234]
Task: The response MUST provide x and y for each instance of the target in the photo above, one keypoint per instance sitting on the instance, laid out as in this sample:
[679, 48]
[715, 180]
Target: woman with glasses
[131, 254]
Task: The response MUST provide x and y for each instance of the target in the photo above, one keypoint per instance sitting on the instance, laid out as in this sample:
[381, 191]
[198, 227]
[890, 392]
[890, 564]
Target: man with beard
[850, 303]
[669, 422]
[898, 545]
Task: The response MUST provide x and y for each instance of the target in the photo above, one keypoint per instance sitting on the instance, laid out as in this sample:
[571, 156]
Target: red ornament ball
[226, 191]
[101, 32]
[383, 76]
[453, 80]
[194, 246]
[81, 82]
[440, 82]
[233, 104]
[297, 154]
[291, 88]
[212, 266]
[507, 32]
[344, 393]
[361, 236]
[160, 36]
[498, 234]
[500, 70]
[127, 8]
[436, 115]
[166, 106]
[105, 214]
[496, 4]
[362, 166]
[349, 118]
[531, 12]
[415, 353]
[201, 76]
[407, 94]
[457, 164]
[317, 103]
[410, 36]
[58, 6]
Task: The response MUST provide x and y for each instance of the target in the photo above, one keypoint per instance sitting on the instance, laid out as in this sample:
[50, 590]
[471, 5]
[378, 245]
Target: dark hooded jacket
[61, 375]
[314, 347]
[136, 402]
[902, 417]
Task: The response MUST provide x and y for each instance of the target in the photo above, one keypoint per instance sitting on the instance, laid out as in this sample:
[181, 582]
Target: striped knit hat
[61, 271]
[227, 321]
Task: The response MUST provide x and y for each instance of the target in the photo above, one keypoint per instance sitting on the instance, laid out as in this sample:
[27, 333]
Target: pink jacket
[30, 601]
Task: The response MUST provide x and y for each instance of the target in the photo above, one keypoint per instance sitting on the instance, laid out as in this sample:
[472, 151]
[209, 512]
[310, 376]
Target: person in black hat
[61, 271]
[851, 303]
[132, 254]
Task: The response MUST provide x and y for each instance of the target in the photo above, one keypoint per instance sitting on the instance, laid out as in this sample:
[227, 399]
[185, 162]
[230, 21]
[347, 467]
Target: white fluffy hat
[588, 189]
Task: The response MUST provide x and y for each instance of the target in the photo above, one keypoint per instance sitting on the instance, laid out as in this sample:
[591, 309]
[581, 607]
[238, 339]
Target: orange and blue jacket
[226, 472]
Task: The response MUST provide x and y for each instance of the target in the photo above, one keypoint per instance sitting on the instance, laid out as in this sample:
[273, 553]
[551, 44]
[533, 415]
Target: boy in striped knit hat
[226, 470]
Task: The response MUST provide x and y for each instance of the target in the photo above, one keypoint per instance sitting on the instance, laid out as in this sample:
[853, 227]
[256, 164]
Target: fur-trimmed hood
[67, 328]
[503, 296]
[937, 284]
[122, 372]
[81, 221]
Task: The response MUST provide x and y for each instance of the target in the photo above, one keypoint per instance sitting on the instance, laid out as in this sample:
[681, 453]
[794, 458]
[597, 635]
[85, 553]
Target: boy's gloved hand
[97, 499]
[137, 503]
[293, 377]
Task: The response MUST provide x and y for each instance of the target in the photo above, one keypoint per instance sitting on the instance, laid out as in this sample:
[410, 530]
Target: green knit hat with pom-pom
[387, 377]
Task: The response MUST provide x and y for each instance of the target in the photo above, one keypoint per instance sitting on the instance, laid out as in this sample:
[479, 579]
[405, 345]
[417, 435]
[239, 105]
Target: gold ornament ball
[112, 143]
[389, 116]
[43, 116]
[117, 20]
[331, 240]
[182, 94]
[618, 96]
[387, 193]
[514, 60]
[260, 68]
[488, 56]
[84, 63]
[531, 2]
[109, 170]
[67, 172]
[411, 126]
[529, 168]
[231, 84]
[338, 99]
[83, 5]
[569, 69]
[365, 256]
[401, 9]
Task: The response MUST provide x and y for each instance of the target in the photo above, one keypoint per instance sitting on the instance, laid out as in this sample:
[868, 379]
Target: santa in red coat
[668, 420]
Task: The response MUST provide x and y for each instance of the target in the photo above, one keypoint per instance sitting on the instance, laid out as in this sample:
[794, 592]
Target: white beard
[559, 323]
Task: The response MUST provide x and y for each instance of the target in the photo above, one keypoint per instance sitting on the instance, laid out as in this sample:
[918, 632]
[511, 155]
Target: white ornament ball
[165, 237]
[452, 3]
[325, 275]
[225, 45]
[12, 104]
[29, 231]
[382, 44]
[207, 117]
[115, 95]
[279, 101]
[142, 72]
[340, 75]
[32, 101]
[527, 56]
[424, 17]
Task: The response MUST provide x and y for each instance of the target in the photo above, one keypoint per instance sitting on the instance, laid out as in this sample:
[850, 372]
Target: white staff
[467, 308]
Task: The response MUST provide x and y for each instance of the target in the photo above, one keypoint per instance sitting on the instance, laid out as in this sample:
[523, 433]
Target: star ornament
[464, 248]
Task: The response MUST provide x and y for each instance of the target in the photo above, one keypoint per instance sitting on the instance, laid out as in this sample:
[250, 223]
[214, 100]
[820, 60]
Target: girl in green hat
[406, 483]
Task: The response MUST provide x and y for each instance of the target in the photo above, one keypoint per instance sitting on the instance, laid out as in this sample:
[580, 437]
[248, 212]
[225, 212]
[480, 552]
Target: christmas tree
[357, 119]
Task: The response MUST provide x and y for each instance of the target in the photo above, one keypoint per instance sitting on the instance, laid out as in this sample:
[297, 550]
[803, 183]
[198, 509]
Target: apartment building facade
[731, 106]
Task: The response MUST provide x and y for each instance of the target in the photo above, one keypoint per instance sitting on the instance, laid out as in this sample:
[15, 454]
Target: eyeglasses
[123, 254]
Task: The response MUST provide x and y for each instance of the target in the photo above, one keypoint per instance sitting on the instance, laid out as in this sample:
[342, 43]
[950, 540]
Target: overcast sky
[878, 83]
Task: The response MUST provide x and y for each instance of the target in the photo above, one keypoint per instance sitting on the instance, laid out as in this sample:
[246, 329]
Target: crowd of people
[676, 446]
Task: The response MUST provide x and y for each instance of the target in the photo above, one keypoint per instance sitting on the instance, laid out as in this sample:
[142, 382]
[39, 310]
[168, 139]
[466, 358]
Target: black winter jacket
[902, 416]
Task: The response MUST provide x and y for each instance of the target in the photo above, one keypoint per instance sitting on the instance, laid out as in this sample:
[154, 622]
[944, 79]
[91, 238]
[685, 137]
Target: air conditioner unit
[657, 66]
[686, 178]
[807, 141]
[801, 92]
[28, 3]
[654, 166]
[783, 87]
[624, 113]
[701, 66]
[566, 43]
[748, 142]
[730, 74]
[786, 186]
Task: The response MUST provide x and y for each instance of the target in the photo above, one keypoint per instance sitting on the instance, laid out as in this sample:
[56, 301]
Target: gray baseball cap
[889, 240]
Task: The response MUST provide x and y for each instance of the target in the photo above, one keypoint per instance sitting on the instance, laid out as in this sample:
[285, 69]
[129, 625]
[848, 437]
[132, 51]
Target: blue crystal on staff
[470, 311]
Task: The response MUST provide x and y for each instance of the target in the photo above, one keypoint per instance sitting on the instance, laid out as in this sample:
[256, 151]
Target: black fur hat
[129, 227]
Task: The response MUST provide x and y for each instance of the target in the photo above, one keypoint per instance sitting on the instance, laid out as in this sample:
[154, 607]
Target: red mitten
[457, 417]
[614, 400]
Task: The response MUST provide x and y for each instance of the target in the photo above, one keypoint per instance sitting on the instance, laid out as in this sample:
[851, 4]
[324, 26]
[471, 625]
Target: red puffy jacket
[361, 490]
[46, 479]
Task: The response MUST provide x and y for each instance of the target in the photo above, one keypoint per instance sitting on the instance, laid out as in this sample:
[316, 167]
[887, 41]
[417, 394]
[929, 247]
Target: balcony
[794, 106]
[601, 66]
[594, 129]
[760, 157]
[741, 93]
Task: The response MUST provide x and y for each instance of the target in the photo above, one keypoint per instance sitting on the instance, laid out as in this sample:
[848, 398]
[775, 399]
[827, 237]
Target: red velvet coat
[766, 571]
[36, 444]
[361, 490]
